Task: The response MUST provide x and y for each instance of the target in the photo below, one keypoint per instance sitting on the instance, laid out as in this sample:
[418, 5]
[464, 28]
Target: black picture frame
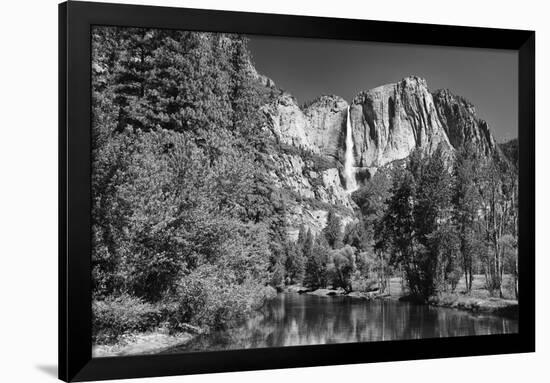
[75, 341]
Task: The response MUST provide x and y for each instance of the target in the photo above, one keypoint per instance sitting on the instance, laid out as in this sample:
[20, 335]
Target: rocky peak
[260, 78]
[391, 120]
[448, 97]
[286, 99]
[288, 124]
[407, 84]
[458, 116]
[330, 102]
[317, 126]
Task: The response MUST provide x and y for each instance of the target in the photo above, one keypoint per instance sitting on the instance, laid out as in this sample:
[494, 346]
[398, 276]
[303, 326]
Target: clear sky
[308, 68]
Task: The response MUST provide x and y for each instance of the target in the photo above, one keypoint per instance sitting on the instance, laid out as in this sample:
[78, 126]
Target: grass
[478, 300]
[478, 288]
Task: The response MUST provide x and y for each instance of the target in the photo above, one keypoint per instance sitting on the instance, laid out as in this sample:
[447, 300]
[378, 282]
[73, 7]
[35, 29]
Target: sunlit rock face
[288, 123]
[309, 192]
[308, 167]
[327, 117]
[318, 126]
[390, 121]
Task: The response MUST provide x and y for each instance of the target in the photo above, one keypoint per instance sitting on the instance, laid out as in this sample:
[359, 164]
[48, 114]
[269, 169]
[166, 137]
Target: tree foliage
[342, 266]
[333, 230]
[316, 262]
[179, 179]
[445, 218]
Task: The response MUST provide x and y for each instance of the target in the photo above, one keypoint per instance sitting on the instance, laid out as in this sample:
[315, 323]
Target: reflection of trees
[294, 319]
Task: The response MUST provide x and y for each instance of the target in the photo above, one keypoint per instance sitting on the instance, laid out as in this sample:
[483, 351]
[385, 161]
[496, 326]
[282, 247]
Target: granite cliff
[386, 124]
[461, 123]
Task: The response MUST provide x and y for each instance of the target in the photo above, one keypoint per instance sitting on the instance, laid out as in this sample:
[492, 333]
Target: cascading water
[349, 162]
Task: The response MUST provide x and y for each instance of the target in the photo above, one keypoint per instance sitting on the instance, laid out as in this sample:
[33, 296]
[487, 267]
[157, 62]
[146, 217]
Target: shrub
[317, 259]
[362, 284]
[294, 263]
[209, 298]
[278, 276]
[123, 314]
[342, 267]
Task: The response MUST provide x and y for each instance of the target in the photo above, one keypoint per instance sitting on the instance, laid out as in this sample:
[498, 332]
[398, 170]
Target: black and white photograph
[254, 191]
[289, 191]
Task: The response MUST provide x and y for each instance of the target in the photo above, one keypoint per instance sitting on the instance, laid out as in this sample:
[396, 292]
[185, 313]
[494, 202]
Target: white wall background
[28, 189]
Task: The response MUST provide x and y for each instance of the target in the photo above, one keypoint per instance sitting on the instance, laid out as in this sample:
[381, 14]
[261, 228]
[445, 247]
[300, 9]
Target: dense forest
[186, 227]
[189, 231]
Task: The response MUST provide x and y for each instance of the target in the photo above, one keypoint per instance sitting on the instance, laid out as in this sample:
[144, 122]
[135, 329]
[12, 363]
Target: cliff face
[327, 117]
[317, 127]
[390, 121]
[458, 117]
[387, 124]
[313, 191]
[288, 123]
[510, 150]
[307, 161]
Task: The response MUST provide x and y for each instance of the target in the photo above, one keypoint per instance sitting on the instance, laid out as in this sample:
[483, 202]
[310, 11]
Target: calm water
[292, 319]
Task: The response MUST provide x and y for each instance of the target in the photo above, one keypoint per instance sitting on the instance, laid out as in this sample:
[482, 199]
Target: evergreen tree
[295, 263]
[398, 227]
[432, 214]
[416, 220]
[181, 194]
[132, 76]
[333, 230]
[302, 234]
[355, 234]
[316, 262]
[307, 248]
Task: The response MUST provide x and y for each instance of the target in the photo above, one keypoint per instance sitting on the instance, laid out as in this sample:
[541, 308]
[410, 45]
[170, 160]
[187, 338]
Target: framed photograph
[245, 191]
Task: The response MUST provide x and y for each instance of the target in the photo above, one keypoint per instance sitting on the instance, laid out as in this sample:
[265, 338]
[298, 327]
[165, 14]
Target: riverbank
[150, 342]
[477, 301]
[325, 292]
[490, 305]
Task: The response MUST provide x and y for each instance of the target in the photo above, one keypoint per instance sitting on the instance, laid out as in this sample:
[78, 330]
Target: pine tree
[432, 215]
[418, 221]
[307, 248]
[133, 73]
[295, 263]
[179, 181]
[333, 230]
[316, 262]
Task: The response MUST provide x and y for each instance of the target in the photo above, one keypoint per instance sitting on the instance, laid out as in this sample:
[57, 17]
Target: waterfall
[349, 162]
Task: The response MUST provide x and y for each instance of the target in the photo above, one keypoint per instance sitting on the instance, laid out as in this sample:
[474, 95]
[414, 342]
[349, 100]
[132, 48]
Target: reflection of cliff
[292, 320]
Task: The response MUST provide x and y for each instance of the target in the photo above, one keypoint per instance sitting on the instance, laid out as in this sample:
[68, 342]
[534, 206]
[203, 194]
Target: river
[293, 319]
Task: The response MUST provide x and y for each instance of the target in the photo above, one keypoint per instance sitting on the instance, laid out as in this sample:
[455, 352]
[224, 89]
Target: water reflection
[293, 319]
